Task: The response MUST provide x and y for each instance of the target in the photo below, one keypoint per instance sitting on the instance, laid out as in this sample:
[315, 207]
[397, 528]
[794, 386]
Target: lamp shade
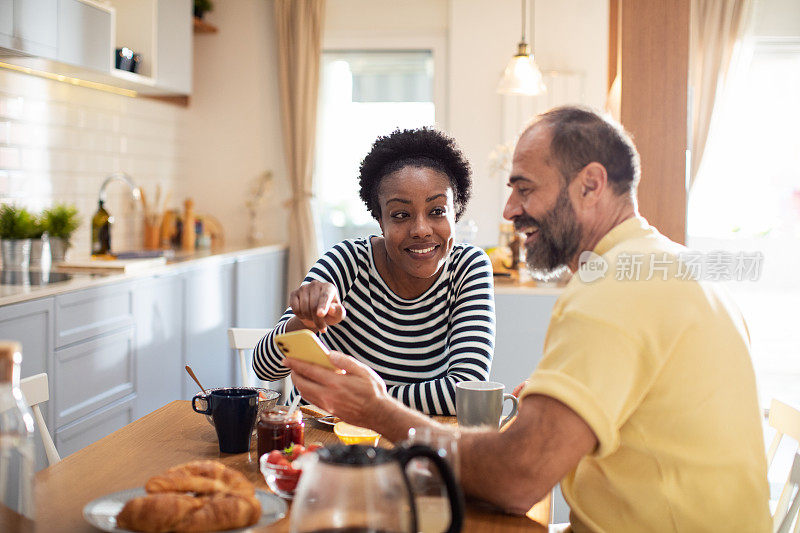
[522, 76]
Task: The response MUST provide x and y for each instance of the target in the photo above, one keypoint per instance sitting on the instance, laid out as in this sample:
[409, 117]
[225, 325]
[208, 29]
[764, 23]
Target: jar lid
[278, 414]
[355, 455]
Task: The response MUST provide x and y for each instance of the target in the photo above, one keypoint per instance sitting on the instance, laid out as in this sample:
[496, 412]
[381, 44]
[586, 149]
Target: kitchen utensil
[234, 412]
[102, 512]
[191, 375]
[363, 488]
[293, 406]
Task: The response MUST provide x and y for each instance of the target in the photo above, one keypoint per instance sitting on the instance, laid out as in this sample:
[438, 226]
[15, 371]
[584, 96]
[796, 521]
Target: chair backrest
[786, 421]
[36, 391]
[243, 340]
[794, 508]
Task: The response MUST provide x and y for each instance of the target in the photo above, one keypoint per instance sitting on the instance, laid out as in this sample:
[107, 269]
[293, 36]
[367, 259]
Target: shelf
[201, 26]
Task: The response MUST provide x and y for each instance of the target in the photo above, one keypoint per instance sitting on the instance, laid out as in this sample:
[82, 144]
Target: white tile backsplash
[58, 142]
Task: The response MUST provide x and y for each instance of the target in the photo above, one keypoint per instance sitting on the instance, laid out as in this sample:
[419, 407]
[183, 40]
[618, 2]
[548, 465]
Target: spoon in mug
[191, 374]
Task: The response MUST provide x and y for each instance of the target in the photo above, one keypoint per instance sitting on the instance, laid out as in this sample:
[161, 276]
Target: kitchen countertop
[11, 294]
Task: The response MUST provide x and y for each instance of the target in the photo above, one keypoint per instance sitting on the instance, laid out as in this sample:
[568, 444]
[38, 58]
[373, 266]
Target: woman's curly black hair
[422, 148]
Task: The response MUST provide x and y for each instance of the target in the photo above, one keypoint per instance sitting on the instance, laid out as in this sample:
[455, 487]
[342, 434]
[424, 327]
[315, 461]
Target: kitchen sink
[32, 277]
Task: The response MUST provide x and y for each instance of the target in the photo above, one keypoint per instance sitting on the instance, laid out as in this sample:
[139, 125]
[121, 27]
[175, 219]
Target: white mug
[480, 403]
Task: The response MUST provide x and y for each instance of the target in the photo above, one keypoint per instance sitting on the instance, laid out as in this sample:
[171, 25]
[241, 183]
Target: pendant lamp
[522, 75]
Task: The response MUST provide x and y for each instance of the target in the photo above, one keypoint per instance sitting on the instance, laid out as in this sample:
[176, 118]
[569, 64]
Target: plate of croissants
[196, 496]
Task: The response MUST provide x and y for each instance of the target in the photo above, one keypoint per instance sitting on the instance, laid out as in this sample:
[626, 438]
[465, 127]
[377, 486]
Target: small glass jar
[277, 431]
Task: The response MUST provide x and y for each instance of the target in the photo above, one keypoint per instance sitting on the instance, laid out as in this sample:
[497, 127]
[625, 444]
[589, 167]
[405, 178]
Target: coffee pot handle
[454, 494]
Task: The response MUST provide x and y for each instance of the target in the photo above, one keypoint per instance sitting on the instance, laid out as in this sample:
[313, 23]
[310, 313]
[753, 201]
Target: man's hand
[519, 388]
[317, 305]
[355, 393]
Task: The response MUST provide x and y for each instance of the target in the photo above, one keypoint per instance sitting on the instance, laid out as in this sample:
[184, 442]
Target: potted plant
[201, 6]
[16, 227]
[40, 249]
[60, 222]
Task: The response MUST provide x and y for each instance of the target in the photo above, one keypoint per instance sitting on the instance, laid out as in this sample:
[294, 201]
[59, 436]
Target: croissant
[222, 499]
[200, 477]
[156, 513]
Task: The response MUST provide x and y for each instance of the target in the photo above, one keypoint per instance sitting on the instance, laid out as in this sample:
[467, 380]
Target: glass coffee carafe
[363, 489]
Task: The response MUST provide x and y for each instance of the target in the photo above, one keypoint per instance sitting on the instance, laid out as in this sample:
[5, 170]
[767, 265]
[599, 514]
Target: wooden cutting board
[118, 266]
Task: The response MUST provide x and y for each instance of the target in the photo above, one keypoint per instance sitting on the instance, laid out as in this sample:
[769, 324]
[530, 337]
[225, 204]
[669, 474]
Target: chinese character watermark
[687, 266]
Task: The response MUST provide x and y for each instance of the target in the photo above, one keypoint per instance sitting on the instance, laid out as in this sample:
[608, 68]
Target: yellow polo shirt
[660, 370]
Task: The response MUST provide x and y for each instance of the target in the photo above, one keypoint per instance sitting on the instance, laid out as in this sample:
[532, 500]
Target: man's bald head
[580, 135]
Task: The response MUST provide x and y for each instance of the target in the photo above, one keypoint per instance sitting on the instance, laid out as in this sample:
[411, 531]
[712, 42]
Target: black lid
[354, 455]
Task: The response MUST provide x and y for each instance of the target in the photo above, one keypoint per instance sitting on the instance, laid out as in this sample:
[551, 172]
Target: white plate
[320, 415]
[102, 512]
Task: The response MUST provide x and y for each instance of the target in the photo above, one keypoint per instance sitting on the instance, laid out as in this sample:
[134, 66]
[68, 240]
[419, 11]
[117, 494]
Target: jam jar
[277, 431]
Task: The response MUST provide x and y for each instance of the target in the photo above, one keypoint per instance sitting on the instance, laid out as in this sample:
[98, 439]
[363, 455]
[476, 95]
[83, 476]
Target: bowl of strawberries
[279, 468]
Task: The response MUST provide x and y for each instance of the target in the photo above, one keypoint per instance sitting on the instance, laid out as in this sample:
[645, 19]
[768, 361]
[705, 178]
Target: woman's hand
[317, 305]
[354, 393]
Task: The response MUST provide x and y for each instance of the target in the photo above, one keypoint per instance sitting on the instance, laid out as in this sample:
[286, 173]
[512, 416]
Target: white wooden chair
[786, 421]
[36, 391]
[794, 507]
[243, 340]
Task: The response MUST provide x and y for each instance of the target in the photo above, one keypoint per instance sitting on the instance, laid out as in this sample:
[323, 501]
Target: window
[747, 198]
[363, 94]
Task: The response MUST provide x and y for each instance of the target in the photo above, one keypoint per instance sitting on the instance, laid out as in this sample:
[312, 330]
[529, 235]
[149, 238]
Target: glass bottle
[101, 231]
[16, 436]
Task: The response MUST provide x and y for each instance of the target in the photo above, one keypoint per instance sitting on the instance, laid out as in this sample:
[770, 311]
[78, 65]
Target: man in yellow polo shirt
[644, 403]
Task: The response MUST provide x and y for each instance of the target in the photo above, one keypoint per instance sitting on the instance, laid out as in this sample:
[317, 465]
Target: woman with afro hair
[413, 304]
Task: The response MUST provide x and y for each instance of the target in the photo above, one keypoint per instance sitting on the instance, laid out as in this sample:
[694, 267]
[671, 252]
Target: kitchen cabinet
[79, 434]
[92, 374]
[158, 312]
[116, 351]
[161, 31]
[260, 297]
[85, 34]
[31, 324]
[208, 305]
[260, 289]
[30, 27]
[522, 320]
[77, 39]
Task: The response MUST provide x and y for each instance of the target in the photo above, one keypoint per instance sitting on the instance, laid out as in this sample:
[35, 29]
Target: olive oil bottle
[101, 231]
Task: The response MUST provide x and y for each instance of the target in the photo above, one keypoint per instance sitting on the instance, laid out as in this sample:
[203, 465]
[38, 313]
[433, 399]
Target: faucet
[120, 176]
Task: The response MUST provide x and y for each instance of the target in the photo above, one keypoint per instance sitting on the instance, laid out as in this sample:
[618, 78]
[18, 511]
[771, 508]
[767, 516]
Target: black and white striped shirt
[420, 347]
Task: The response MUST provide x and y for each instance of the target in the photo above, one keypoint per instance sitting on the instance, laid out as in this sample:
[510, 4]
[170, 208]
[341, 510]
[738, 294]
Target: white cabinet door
[36, 27]
[208, 303]
[6, 23]
[84, 35]
[174, 45]
[260, 289]
[31, 324]
[158, 312]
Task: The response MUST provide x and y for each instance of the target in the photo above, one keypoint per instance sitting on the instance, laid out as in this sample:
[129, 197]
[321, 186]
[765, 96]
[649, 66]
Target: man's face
[540, 206]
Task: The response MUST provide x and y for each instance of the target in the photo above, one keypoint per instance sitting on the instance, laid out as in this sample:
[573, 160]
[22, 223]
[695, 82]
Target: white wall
[232, 130]
[777, 18]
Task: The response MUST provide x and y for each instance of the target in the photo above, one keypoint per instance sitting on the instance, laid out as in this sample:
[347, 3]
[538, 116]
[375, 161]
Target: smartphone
[304, 346]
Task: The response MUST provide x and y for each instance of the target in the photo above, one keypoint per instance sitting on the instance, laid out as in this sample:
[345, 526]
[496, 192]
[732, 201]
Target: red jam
[276, 431]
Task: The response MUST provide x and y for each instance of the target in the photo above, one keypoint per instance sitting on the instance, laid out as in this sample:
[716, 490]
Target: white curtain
[716, 27]
[299, 27]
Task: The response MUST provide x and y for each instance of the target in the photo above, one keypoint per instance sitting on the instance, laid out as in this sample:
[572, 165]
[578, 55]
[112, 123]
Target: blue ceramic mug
[233, 411]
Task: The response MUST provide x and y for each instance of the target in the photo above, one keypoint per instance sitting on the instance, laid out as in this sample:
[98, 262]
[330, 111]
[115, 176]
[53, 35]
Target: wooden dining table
[169, 436]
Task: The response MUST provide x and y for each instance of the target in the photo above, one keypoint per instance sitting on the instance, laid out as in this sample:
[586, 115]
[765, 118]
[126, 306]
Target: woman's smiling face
[417, 219]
